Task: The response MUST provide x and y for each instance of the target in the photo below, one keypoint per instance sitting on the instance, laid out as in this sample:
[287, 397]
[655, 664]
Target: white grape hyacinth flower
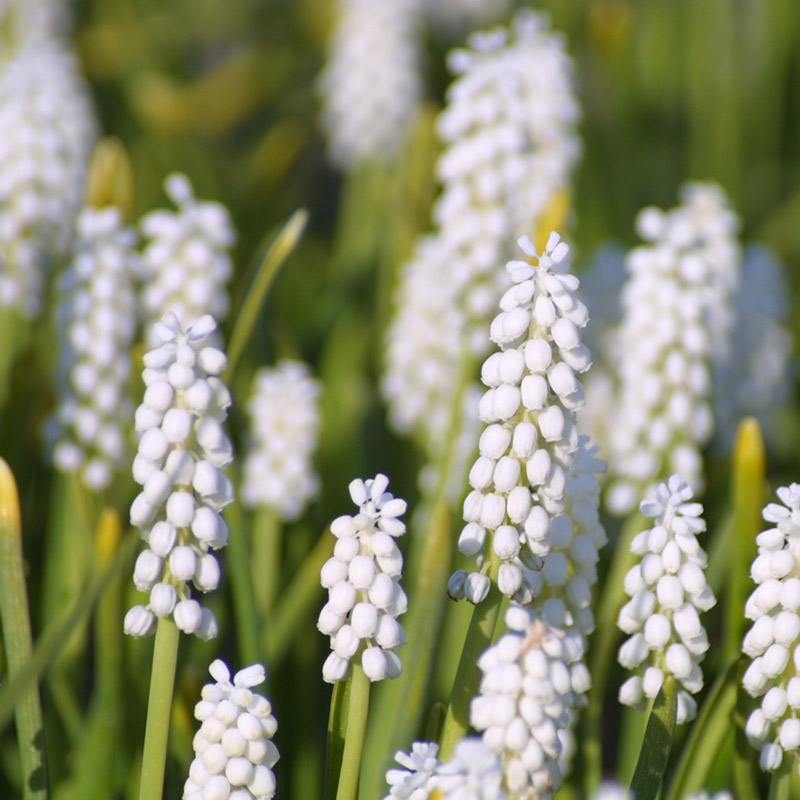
[773, 641]
[186, 259]
[520, 505]
[97, 317]
[473, 773]
[371, 86]
[676, 323]
[183, 450]
[48, 131]
[234, 752]
[363, 582]
[284, 426]
[509, 133]
[532, 682]
[668, 591]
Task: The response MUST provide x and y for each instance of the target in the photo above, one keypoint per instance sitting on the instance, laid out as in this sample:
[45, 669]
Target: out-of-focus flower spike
[370, 86]
[186, 257]
[284, 421]
[48, 131]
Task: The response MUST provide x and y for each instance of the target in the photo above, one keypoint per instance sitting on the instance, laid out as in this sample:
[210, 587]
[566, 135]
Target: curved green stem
[358, 710]
[602, 649]
[653, 758]
[468, 676]
[17, 639]
[159, 708]
[278, 252]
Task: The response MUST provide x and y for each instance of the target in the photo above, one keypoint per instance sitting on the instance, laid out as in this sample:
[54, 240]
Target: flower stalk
[159, 708]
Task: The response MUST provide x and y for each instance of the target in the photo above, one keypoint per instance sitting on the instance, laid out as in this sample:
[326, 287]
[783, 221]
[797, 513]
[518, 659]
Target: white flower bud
[147, 570]
[163, 598]
[188, 615]
[182, 562]
[139, 621]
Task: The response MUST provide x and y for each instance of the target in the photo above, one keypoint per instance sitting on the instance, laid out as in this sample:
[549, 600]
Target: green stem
[300, 596]
[479, 637]
[239, 561]
[780, 786]
[159, 708]
[337, 727]
[602, 649]
[657, 744]
[708, 734]
[278, 252]
[265, 561]
[357, 712]
[17, 639]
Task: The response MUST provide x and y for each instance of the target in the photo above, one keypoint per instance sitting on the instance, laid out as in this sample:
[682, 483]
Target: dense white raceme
[234, 753]
[676, 324]
[284, 424]
[510, 143]
[47, 133]
[533, 504]
[363, 582]
[773, 641]
[183, 450]
[370, 86]
[185, 259]
[97, 317]
[473, 773]
[532, 683]
[668, 591]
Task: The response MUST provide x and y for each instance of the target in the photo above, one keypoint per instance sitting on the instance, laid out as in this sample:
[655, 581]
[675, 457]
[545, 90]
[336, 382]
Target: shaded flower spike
[371, 85]
[48, 130]
[182, 452]
[533, 492]
[773, 642]
[362, 578]
[234, 754]
[675, 329]
[532, 682]
[284, 421]
[97, 320]
[667, 589]
[186, 261]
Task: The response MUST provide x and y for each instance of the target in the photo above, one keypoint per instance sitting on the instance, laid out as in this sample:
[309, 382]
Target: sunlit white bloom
[773, 641]
[234, 752]
[284, 421]
[183, 450]
[534, 498]
[47, 133]
[532, 682]
[363, 582]
[186, 257]
[97, 319]
[668, 591]
[371, 85]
